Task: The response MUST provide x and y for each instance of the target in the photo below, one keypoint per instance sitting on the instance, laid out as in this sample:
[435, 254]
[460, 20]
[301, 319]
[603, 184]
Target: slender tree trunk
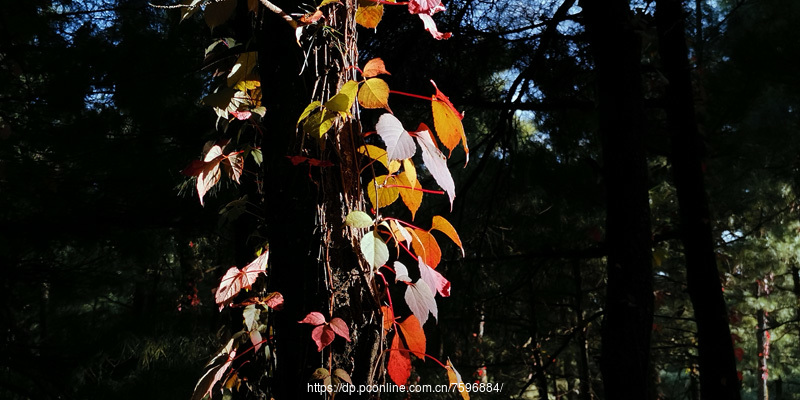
[762, 341]
[718, 378]
[627, 327]
[584, 377]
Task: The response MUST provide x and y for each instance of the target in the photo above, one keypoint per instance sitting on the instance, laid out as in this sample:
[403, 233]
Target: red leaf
[430, 26]
[739, 353]
[399, 365]
[194, 168]
[340, 328]
[274, 301]
[322, 335]
[235, 280]
[388, 318]
[296, 160]
[414, 336]
[314, 318]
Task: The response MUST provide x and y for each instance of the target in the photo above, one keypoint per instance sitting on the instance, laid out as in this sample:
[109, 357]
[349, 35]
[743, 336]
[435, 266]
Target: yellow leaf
[218, 12]
[425, 246]
[343, 100]
[318, 123]
[374, 93]
[326, 2]
[380, 195]
[376, 153]
[394, 166]
[411, 172]
[442, 225]
[455, 380]
[374, 68]
[369, 13]
[309, 108]
[448, 125]
[247, 85]
[411, 198]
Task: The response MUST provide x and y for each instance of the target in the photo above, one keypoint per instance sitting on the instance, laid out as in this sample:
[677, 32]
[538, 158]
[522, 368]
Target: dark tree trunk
[627, 327]
[584, 377]
[718, 378]
[313, 261]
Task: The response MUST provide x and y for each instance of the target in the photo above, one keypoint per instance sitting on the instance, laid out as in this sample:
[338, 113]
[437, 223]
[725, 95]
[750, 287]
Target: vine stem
[410, 95]
[404, 223]
[414, 188]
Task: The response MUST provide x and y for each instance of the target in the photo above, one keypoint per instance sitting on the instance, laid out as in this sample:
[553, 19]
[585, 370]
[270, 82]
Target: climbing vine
[396, 259]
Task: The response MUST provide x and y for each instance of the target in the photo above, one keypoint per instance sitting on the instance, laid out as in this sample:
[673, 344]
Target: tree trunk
[762, 342]
[584, 377]
[313, 260]
[718, 378]
[627, 327]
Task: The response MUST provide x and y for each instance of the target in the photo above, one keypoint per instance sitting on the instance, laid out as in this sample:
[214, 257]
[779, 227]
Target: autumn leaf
[233, 164]
[369, 13]
[324, 332]
[426, 247]
[374, 250]
[411, 172]
[442, 225]
[447, 121]
[413, 335]
[319, 123]
[411, 198]
[251, 314]
[419, 298]
[374, 93]
[399, 144]
[455, 380]
[436, 163]
[309, 108]
[342, 375]
[430, 26]
[342, 102]
[428, 7]
[244, 64]
[378, 154]
[374, 67]
[274, 300]
[358, 219]
[235, 280]
[399, 365]
[388, 318]
[436, 282]
[382, 192]
[401, 272]
[214, 372]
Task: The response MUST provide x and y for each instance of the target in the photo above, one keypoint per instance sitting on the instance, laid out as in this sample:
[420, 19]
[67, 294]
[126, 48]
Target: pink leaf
[430, 26]
[255, 339]
[428, 7]
[436, 163]
[314, 318]
[274, 301]
[434, 279]
[340, 328]
[235, 280]
[419, 298]
[322, 335]
[399, 144]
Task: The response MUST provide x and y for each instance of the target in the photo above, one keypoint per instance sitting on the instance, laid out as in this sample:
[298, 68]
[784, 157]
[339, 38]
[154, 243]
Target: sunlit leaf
[419, 298]
[343, 100]
[430, 26]
[447, 121]
[314, 318]
[431, 253]
[411, 198]
[374, 152]
[318, 123]
[435, 280]
[399, 365]
[374, 93]
[388, 318]
[413, 335]
[401, 272]
[358, 219]
[379, 194]
[429, 7]
[322, 335]
[309, 108]
[374, 67]
[235, 280]
[214, 372]
[369, 13]
[455, 380]
[251, 314]
[374, 250]
[399, 144]
[410, 171]
[340, 328]
[442, 225]
[437, 164]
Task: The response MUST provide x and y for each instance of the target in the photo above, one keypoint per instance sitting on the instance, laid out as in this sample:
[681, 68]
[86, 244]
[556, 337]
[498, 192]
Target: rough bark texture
[625, 358]
[718, 378]
[313, 261]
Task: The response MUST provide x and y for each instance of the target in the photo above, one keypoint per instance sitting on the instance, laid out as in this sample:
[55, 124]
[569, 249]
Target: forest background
[109, 262]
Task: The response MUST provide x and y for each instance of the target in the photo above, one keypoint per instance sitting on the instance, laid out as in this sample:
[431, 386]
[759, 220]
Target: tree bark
[718, 378]
[627, 327]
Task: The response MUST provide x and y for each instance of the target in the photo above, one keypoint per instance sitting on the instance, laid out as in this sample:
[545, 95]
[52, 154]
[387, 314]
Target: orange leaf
[442, 225]
[411, 198]
[455, 379]
[414, 336]
[447, 121]
[399, 365]
[373, 68]
[430, 251]
[388, 318]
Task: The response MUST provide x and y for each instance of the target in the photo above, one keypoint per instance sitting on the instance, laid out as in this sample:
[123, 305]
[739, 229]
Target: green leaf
[257, 156]
[244, 64]
[343, 101]
[220, 99]
[309, 108]
[358, 219]
[374, 250]
[319, 123]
